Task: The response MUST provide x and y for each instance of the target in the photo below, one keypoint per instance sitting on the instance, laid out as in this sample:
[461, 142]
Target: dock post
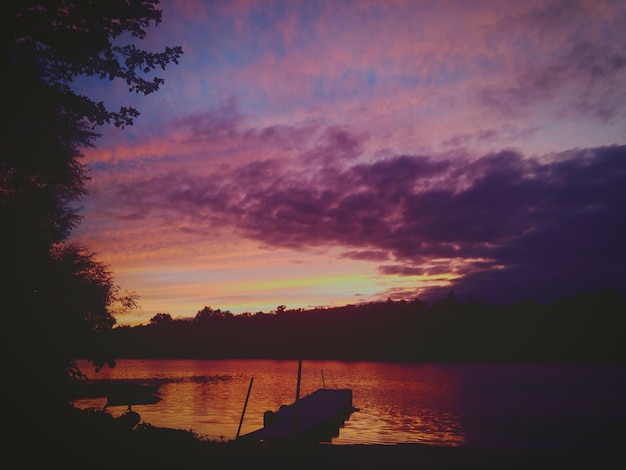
[245, 405]
[295, 417]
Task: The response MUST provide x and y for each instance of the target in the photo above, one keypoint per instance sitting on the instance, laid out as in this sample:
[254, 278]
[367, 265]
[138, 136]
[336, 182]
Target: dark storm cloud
[504, 224]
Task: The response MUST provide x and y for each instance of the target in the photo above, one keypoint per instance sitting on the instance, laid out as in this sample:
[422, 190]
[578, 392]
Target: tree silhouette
[208, 315]
[161, 319]
[589, 327]
[58, 297]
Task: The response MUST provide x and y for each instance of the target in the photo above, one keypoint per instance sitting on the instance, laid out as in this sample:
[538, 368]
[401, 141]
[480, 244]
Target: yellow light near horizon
[184, 297]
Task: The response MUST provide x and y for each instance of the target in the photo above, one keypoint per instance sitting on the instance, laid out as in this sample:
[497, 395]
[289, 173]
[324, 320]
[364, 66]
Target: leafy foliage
[57, 298]
[84, 295]
[61, 40]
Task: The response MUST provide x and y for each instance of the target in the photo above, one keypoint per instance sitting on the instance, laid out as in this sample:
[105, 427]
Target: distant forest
[586, 328]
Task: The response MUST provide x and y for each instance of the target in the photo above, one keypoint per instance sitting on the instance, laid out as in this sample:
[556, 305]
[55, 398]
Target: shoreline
[96, 441]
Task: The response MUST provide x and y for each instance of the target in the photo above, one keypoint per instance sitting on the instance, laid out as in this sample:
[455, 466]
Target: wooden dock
[316, 417]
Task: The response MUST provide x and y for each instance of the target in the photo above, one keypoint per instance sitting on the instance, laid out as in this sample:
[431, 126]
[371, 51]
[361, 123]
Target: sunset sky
[323, 153]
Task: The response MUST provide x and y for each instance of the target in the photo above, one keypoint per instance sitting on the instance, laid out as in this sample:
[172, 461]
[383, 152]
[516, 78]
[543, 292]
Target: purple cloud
[506, 225]
[368, 255]
[215, 124]
[337, 145]
[593, 70]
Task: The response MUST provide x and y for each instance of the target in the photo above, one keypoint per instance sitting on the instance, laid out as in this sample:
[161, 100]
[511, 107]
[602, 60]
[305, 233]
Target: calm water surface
[507, 406]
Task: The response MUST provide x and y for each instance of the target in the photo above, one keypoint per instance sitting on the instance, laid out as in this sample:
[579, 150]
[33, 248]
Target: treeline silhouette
[586, 328]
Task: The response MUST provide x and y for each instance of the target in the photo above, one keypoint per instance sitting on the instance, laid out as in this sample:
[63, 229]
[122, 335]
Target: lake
[484, 405]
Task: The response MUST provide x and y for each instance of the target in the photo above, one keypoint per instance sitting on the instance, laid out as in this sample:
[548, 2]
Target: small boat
[314, 418]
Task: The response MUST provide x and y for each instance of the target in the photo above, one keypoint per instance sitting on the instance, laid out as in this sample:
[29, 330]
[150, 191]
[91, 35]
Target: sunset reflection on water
[397, 403]
[401, 403]
[492, 405]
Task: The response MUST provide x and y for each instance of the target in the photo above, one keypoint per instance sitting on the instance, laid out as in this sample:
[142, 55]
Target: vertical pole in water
[245, 405]
[295, 417]
[323, 381]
